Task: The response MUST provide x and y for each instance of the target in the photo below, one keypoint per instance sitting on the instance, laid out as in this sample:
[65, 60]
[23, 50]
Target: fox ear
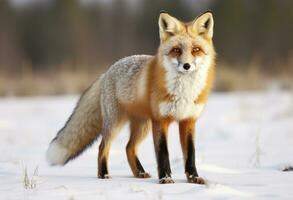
[203, 25]
[169, 26]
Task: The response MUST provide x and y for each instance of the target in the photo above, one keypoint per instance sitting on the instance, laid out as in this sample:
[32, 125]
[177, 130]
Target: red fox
[149, 92]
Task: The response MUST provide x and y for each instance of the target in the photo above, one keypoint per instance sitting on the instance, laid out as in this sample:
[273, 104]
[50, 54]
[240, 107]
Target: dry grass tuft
[30, 183]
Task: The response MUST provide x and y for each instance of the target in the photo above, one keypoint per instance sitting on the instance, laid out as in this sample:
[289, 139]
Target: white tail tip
[56, 154]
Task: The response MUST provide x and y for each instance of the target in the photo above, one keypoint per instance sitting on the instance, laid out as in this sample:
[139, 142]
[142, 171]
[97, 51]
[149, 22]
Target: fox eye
[195, 50]
[176, 50]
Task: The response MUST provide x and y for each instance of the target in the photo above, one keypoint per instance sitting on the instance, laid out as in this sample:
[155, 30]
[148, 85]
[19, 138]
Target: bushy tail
[80, 131]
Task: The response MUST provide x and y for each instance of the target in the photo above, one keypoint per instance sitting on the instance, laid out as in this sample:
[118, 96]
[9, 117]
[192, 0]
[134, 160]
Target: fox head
[186, 47]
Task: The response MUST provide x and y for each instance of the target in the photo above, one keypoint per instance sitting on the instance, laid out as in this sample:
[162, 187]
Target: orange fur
[139, 129]
[186, 128]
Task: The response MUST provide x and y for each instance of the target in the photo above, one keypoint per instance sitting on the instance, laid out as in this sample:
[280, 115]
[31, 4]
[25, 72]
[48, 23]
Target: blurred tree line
[91, 35]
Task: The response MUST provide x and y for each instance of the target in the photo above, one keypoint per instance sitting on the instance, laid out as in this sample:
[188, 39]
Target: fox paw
[196, 180]
[166, 180]
[143, 175]
[104, 176]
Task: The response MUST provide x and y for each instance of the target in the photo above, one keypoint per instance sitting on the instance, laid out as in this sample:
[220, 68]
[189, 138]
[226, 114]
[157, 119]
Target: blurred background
[50, 47]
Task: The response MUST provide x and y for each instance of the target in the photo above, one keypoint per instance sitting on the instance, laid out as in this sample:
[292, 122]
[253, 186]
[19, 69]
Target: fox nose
[186, 66]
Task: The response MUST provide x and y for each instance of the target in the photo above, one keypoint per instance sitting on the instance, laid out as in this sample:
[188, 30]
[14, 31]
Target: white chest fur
[185, 89]
[181, 110]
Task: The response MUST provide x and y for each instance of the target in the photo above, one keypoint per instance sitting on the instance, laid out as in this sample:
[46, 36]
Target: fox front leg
[160, 134]
[187, 133]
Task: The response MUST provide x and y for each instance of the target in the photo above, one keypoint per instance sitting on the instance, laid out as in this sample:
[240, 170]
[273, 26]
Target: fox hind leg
[104, 148]
[139, 129]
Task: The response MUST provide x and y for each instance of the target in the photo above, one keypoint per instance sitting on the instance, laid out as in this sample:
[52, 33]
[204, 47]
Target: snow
[243, 141]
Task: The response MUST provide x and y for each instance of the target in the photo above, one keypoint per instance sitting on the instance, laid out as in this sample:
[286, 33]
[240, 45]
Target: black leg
[104, 169]
[160, 132]
[190, 167]
[163, 158]
[187, 132]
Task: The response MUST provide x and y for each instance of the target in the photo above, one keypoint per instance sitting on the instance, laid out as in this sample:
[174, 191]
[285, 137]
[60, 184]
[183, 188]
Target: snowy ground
[243, 141]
